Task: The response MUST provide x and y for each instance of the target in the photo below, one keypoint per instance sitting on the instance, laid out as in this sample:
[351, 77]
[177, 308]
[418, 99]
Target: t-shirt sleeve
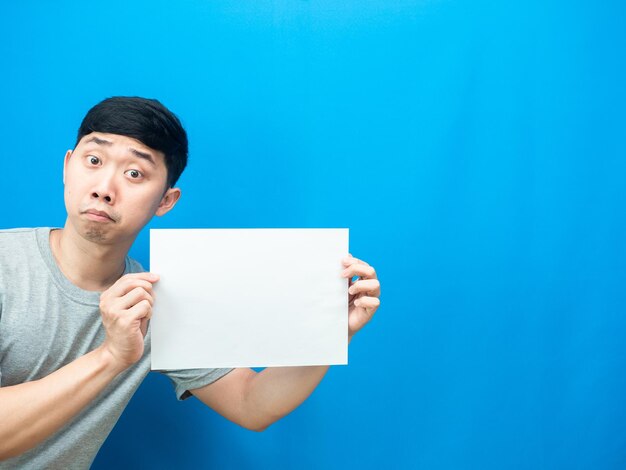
[189, 379]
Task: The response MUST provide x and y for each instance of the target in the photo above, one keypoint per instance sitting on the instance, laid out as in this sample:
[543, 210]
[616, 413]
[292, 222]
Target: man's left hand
[363, 294]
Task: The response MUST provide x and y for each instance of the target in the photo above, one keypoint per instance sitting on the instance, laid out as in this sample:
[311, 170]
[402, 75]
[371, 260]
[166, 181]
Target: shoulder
[19, 253]
[8, 233]
[16, 238]
[133, 266]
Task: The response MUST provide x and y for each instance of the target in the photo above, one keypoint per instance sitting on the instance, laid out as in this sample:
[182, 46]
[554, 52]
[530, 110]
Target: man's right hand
[125, 308]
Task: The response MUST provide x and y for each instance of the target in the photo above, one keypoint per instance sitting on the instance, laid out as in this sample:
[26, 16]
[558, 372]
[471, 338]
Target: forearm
[276, 391]
[33, 411]
[256, 400]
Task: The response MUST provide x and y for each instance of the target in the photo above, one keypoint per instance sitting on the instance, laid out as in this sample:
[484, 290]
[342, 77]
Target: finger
[368, 303]
[365, 286]
[134, 297]
[349, 260]
[139, 285]
[119, 289]
[148, 276]
[143, 309]
[363, 270]
[358, 318]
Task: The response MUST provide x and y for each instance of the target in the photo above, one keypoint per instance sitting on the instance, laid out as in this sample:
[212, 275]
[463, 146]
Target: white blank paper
[249, 297]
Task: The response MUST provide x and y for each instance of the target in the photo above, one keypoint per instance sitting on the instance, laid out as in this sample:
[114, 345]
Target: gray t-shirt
[47, 322]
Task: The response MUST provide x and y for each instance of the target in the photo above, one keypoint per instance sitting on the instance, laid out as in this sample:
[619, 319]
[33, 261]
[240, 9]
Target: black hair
[146, 120]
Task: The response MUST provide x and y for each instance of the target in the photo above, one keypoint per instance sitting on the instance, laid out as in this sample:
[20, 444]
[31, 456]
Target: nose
[104, 190]
[107, 198]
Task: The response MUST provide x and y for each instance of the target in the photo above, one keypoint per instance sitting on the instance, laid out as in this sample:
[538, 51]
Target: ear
[68, 154]
[168, 201]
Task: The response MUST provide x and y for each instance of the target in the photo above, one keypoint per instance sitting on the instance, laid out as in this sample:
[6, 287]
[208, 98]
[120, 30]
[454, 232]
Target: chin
[95, 232]
[95, 235]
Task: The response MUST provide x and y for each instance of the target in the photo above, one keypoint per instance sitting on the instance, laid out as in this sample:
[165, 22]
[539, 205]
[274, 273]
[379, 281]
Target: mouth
[98, 216]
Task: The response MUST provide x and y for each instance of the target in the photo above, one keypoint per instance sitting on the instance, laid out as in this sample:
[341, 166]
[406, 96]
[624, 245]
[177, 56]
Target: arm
[33, 411]
[256, 400]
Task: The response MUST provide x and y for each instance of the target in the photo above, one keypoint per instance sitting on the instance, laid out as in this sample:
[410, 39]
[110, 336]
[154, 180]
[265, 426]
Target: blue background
[477, 152]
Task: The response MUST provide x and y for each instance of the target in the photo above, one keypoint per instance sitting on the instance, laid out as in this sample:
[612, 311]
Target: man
[74, 308]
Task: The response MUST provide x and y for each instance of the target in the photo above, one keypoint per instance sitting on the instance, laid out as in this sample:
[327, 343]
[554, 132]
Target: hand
[363, 294]
[125, 308]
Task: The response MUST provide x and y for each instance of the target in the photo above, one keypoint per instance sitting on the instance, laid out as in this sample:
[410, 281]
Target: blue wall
[476, 150]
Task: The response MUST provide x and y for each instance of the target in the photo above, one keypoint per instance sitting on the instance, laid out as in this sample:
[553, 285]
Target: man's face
[113, 186]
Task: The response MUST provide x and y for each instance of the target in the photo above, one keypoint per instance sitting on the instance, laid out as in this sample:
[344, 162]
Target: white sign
[249, 297]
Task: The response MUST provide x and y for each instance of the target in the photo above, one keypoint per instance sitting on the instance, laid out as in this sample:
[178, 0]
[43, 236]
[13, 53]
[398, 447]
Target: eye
[94, 160]
[134, 174]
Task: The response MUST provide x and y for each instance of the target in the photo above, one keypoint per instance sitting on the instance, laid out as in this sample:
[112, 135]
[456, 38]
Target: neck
[88, 265]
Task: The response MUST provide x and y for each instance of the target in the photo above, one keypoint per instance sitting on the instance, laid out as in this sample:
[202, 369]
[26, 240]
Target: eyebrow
[143, 155]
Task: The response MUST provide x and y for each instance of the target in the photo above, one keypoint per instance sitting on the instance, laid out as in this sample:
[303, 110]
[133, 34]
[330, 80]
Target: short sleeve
[189, 379]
